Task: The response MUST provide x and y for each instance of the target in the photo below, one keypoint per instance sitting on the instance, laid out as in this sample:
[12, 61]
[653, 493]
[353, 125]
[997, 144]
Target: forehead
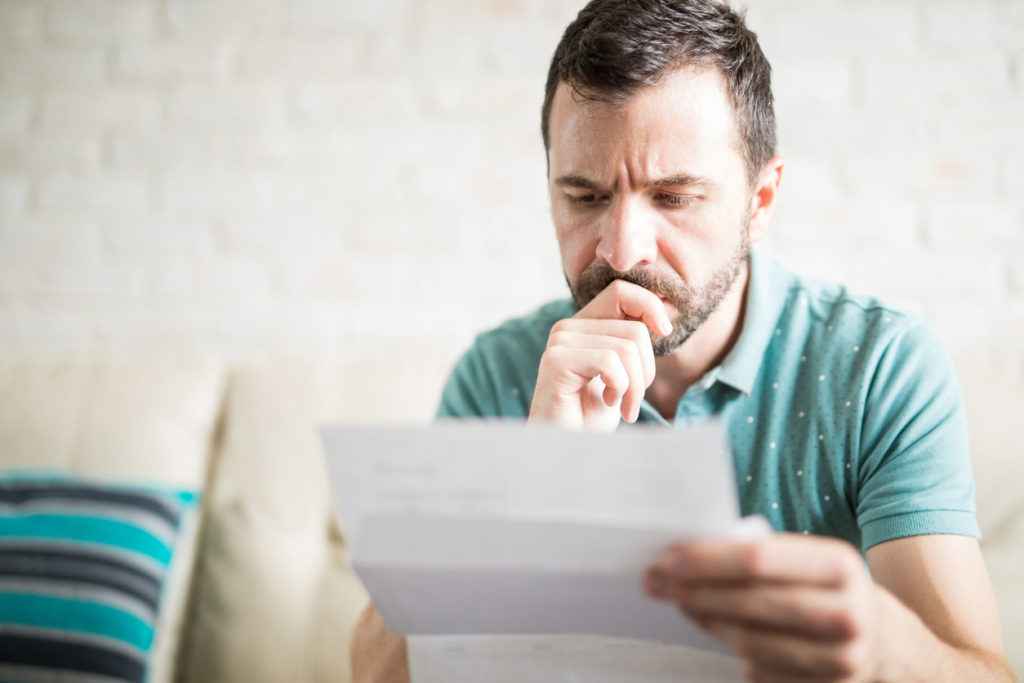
[685, 120]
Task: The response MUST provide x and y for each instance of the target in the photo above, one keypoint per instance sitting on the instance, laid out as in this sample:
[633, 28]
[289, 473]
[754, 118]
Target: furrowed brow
[576, 181]
[680, 179]
[677, 180]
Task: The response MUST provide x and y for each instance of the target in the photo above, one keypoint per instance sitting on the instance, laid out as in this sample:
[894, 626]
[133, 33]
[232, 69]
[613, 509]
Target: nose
[627, 236]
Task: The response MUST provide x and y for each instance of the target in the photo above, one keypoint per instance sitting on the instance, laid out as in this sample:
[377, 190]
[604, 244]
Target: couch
[259, 588]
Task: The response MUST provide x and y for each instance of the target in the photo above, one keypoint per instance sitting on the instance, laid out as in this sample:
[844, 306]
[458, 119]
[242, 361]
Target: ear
[762, 202]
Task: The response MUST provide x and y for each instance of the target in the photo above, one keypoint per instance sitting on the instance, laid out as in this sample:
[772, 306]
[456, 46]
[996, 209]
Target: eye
[674, 200]
[585, 199]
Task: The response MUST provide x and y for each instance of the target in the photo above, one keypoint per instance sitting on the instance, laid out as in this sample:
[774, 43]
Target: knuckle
[632, 360]
[749, 602]
[559, 337]
[553, 353]
[858, 621]
[641, 333]
[549, 362]
[847, 624]
[621, 346]
[755, 559]
[744, 644]
[556, 359]
[847, 567]
[847, 618]
[763, 676]
[609, 359]
[850, 619]
[848, 661]
[561, 326]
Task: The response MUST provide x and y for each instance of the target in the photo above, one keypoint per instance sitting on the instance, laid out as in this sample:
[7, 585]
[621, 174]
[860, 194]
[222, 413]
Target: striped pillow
[82, 568]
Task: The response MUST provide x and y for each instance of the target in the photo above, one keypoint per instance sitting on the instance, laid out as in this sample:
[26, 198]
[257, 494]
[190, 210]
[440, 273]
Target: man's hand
[800, 608]
[791, 608]
[599, 363]
[377, 655]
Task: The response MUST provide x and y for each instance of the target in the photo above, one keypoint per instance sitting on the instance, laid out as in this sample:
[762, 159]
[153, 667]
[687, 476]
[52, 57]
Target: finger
[576, 368]
[631, 330]
[621, 300]
[763, 675]
[792, 558]
[820, 614]
[629, 356]
[776, 655]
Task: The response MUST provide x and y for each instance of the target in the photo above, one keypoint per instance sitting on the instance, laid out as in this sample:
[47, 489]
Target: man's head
[660, 138]
[615, 48]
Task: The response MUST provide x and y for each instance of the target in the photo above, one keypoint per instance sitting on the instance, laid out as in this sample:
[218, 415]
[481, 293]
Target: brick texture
[334, 174]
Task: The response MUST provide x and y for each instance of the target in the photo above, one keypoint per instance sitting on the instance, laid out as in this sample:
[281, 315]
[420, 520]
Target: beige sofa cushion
[268, 535]
[126, 418]
[123, 420]
[272, 528]
[992, 395]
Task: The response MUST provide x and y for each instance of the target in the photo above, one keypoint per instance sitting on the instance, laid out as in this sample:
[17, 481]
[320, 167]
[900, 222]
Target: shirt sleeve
[468, 392]
[914, 475]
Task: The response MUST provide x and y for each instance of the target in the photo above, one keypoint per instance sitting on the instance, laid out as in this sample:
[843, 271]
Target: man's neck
[705, 349]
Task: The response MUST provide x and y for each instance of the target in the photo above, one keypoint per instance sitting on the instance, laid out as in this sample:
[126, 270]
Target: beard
[694, 303]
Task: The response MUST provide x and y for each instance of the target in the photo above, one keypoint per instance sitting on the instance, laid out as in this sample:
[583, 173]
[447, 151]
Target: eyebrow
[679, 179]
[576, 181]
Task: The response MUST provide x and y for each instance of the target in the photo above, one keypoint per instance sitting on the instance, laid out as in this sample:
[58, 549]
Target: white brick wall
[368, 176]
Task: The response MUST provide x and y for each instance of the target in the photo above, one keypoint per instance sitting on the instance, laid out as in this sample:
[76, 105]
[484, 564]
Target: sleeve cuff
[954, 522]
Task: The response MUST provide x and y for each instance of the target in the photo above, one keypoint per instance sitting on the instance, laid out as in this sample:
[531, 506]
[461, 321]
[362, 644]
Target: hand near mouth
[599, 363]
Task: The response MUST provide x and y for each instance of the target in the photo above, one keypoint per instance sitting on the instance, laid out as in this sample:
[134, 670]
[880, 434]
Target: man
[845, 417]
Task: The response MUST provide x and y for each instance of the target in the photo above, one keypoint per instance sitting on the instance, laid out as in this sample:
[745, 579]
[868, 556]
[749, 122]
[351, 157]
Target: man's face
[653, 190]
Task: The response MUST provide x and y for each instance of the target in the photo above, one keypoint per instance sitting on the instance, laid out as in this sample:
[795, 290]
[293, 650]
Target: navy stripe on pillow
[54, 492]
[82, 567]
[49, 652]
[20, 561]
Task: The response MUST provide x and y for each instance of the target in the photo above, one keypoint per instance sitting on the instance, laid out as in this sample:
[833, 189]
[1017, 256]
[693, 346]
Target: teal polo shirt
[845, 415]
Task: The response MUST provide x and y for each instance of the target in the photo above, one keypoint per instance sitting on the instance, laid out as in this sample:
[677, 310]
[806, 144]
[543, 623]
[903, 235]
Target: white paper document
[564, 659]
[494, 544]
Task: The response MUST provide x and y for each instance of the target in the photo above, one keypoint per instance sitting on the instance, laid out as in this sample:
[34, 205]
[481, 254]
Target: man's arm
[805, 608]
[377, 655]
[943, 581]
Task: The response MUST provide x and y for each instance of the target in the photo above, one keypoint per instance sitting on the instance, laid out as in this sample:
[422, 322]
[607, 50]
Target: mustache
[598, 275]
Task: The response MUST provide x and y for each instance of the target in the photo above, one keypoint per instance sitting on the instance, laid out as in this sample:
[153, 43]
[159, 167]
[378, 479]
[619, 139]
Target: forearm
[377, 655]
[913, 652]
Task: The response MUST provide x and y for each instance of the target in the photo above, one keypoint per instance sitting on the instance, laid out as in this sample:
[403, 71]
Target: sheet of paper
[485, 529]
[676, 480]
[564, 659]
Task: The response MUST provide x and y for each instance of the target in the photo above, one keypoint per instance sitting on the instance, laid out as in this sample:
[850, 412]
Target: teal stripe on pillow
[77, 615]
[106, 531]
[82, 568]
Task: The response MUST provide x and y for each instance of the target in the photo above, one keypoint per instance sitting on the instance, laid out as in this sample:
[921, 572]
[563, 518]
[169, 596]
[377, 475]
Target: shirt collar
[764, 301]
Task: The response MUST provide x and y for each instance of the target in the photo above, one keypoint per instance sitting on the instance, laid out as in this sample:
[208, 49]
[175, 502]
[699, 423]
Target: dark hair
[616, 47]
